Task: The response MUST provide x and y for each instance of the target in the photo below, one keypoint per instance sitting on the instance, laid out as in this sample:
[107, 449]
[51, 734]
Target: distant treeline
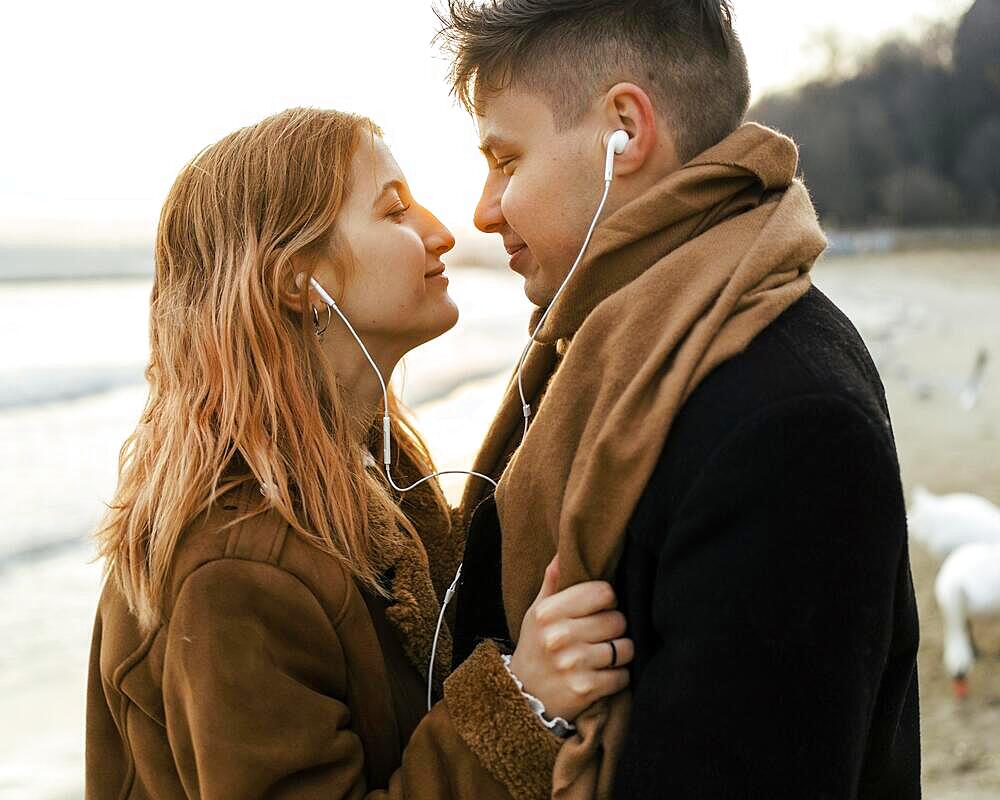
[909, 138]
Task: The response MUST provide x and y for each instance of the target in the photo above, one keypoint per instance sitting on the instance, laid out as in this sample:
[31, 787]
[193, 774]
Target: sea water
[72, 353]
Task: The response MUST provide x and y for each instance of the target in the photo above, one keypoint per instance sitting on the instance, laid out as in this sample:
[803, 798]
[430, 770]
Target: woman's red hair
[239, 389]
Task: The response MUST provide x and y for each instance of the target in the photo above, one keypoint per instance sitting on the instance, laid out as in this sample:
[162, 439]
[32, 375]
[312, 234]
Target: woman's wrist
[557, 725]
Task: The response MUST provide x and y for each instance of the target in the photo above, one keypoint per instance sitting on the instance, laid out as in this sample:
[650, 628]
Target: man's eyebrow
[395, 183]
[491, 143]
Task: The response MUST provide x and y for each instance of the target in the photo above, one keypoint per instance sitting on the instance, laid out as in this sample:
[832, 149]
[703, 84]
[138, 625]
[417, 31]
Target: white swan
[967, 586]
[944, 522]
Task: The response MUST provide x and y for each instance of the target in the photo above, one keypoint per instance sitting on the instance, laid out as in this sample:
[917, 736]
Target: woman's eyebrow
[388, 186]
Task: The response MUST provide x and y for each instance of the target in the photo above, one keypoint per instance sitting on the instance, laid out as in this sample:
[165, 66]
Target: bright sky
[103, 102]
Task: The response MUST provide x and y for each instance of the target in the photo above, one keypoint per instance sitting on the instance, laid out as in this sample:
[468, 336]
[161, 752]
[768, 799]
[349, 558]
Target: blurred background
[895, 106]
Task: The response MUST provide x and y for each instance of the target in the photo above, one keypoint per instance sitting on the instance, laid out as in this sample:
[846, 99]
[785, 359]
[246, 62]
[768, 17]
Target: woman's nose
[440, 240]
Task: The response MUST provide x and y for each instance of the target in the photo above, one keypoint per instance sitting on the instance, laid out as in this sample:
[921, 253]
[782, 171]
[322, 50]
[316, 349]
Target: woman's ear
[293, 291]
[291, 281]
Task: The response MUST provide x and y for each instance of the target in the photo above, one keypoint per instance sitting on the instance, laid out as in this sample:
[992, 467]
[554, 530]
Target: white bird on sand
[973, 385]
[926, 387]
[967, 587]
[944, 522]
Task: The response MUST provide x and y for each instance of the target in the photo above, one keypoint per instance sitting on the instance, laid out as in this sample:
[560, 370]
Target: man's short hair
[684, 53]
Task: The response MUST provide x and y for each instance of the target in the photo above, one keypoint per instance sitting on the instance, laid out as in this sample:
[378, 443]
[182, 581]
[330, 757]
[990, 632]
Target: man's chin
[536, 294]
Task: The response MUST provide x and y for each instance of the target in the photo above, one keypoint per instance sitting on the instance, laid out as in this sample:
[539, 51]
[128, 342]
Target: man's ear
[627, 107]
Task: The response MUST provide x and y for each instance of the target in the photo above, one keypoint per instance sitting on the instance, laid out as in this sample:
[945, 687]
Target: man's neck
[637, 184]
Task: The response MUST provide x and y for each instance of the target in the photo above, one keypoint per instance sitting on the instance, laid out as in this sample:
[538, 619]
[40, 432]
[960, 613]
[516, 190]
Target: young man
[705, 428]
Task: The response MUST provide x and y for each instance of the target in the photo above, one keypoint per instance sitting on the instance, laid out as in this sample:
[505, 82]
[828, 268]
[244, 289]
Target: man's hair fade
[685, 53]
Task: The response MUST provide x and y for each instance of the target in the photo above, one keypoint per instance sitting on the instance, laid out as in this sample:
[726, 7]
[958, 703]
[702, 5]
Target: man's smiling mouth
[518, 255]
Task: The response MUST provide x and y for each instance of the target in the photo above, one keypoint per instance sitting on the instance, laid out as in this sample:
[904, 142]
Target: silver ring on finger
[614, 654]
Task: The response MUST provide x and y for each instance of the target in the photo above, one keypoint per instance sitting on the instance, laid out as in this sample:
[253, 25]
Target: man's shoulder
[810, 355]
[810, 350]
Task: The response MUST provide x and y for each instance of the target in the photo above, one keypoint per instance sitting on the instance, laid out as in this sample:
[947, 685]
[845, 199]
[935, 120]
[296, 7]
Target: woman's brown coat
[274, 676]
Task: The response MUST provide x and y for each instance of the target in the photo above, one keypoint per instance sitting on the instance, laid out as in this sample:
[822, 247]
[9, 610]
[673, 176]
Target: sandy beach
[945, 307]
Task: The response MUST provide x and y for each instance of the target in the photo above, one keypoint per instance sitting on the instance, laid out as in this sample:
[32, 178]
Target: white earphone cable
[525, 406]
[437, 633]
[386, 422]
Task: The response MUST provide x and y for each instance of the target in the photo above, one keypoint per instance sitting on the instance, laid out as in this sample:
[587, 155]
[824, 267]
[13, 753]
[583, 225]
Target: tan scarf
[677, 281]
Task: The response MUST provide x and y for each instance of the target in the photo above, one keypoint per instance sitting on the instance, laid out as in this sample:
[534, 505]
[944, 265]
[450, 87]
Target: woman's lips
[437, 275]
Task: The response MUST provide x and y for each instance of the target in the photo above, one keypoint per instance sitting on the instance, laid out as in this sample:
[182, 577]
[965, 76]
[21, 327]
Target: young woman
[271, 600]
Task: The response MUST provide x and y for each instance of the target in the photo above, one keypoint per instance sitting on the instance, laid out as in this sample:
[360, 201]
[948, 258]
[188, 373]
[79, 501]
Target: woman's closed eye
[398, 210]
[505, 164]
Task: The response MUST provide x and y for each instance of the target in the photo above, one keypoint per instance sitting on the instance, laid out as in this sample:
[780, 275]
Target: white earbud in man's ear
[616, 146]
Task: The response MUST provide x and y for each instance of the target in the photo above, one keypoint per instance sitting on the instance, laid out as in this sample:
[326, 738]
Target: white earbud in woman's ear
[616, 146]
[324, 295]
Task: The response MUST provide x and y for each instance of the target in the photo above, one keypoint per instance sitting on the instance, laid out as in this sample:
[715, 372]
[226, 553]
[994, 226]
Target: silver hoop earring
[320, 331]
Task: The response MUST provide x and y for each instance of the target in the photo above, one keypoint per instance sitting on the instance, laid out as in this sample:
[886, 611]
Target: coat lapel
[416, 575]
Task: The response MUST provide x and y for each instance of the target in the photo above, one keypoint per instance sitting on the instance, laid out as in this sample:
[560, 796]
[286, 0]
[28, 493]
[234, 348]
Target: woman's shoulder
[239, 534]
[232, 555]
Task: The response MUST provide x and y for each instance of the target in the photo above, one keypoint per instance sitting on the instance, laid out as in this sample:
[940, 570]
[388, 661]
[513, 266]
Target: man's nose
[488, 217]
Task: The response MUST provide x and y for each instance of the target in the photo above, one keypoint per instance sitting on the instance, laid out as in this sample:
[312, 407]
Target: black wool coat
[766, 582]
